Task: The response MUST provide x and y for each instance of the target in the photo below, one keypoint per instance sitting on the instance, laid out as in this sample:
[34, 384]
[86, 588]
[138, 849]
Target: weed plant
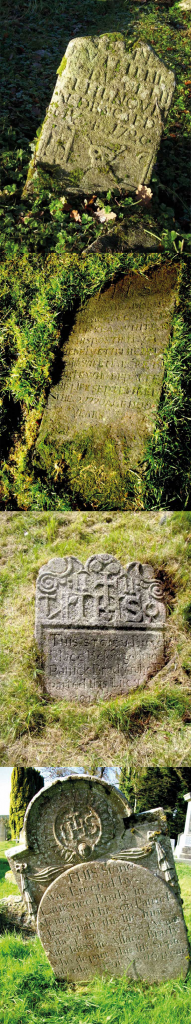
[150, 726]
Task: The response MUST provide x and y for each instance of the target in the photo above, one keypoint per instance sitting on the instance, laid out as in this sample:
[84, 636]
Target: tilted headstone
[104, 882]
[104, 122]
[183, 848]
[99, 626]
[113, 368]
[112, 917]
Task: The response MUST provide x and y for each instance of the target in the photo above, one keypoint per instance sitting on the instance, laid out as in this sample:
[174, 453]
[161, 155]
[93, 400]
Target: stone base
[86, 664]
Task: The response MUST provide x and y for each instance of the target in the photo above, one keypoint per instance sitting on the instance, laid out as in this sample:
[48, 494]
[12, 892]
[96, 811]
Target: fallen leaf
[103, 216]
[75, 216]
[144, 194]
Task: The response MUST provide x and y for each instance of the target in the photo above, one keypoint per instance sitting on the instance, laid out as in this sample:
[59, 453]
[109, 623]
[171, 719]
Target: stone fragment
[99, 626]
[114, 918]
[104, 123]
[113, 367]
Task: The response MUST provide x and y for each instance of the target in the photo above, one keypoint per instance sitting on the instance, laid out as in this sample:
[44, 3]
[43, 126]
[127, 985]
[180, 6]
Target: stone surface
[99, 626]
[127, 236]
[113, 366]
[104, 122]
[114, 918]
[66, 823]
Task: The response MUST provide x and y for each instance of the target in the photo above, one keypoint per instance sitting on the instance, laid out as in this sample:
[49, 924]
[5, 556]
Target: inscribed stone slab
[111, 917]
[99, 626]
[113, 365]
[104, 122]
[65, 824]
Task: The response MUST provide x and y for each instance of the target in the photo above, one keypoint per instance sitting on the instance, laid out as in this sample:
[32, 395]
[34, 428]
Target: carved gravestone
[104, 882]
[72, 820]
[113, 368]
[104, 122]
[99, 626]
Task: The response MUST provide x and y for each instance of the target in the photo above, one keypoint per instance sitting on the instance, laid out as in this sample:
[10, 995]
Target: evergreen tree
[25, 783]
[158, 787]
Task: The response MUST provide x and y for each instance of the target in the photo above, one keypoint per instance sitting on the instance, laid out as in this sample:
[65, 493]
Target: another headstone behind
[99, 626]
[104, 122]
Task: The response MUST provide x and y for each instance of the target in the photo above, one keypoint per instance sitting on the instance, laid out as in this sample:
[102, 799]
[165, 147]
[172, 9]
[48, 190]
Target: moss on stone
[62, 66]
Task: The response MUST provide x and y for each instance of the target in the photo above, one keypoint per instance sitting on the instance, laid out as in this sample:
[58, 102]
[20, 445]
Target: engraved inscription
[113, 364]
[104, 120]
[112, 917]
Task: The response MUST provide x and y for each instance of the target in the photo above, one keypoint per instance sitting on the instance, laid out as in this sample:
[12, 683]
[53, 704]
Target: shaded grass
[150, 723]
[29, 991]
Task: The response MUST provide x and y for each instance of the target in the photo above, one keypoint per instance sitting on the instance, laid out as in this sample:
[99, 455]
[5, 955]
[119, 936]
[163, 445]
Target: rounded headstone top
[75, 818]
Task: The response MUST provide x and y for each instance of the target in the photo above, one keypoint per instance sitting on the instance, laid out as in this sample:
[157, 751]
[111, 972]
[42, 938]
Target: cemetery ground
[45, 276]
[151, 725]
[29, 991]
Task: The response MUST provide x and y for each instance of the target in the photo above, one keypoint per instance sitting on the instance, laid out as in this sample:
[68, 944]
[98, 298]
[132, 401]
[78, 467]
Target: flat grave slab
[113, 368]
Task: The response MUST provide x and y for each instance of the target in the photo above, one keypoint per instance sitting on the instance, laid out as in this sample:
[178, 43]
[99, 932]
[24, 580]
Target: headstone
[104, 123]
[104, 883]
[68, 822]
[99, 626]
[3, 834]
[114, 918]
[183, 848]
[113, 367]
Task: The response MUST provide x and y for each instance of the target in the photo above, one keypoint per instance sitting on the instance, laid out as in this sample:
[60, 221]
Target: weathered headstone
[99, 626]
[2, 829]
[70, 821]
[115, 918]
[104, 122]
[183, 848]
[113, 366]
[104, 882]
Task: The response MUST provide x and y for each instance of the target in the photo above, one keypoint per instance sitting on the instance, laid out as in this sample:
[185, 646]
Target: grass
[44, 276]
[151, 726]
[29, 991]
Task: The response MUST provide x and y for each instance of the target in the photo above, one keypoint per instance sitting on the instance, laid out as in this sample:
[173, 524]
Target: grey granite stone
[104, 123]
[99, 626]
